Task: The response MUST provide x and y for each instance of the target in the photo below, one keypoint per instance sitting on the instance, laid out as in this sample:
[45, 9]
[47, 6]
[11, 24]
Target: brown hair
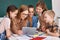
[21, 9]
[11, 8]
[41, 4]
[30, 21]
[18, 23]
[21, 23]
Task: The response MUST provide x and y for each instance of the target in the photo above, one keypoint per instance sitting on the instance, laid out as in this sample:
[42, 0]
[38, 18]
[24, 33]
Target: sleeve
[7, 23]
[35, 21]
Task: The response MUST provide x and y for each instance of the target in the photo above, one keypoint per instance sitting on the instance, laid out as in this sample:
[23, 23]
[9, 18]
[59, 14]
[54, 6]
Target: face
[24, 14]
[31, 11]
[39, 10]
[13, 14]
[47, 18]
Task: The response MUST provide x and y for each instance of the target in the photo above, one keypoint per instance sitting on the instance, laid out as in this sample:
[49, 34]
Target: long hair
[41, 4]
[11, 8]
[51, 13]
[21, 23]
[30, 21]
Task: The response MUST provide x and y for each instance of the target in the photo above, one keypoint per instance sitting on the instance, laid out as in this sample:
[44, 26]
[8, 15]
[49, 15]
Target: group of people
[26, 16]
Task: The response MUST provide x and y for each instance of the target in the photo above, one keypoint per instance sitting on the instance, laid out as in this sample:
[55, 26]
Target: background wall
[5, 3]
[56, 7]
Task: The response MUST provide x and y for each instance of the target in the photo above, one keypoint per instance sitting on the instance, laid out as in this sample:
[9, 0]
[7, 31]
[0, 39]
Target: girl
[20, 20]
[32, 18]
[40, 8]
[51, 28]
[5, 24]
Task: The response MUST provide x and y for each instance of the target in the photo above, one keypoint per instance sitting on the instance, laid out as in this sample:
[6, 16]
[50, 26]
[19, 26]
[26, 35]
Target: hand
[57, 34]
[20, 32]
[43, 28]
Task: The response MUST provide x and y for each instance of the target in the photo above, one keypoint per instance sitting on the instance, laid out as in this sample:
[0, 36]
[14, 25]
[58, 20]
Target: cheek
[41, 10]
[31, 13]
[15, 15]
[11, 15]
[24, 16]
[37, 10]
[46, 19]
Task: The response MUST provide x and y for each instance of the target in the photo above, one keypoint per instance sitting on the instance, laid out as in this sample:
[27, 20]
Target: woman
[32, 18]
[5, 24]
[40, 8]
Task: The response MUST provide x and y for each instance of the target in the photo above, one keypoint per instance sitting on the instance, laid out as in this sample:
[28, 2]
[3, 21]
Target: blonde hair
[50, 13]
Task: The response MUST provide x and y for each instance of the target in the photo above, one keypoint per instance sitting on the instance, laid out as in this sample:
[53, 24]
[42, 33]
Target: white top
[5, 24]
[38, 24]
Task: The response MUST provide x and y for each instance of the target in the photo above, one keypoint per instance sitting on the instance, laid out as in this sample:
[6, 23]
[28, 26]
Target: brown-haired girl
[40, 8]
[20, 20]
[32, 18]
[5, 23]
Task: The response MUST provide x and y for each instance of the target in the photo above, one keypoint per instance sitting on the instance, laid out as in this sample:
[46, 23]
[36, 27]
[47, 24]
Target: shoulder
[5, 22]
[35, 17]
[6, 19]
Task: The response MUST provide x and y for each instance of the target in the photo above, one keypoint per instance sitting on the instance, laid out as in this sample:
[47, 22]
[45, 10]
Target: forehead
[46, 15]
[39, 7]
[15, 11]
[31, 9]
[25, 12]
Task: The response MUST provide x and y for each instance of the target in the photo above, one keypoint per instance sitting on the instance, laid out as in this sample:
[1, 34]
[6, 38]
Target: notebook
[29, 30]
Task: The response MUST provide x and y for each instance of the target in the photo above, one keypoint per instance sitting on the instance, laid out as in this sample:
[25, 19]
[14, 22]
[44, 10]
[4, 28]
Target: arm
[16, 31]
[7, 27]
[52, 34]
[35, 21]
[8, 33]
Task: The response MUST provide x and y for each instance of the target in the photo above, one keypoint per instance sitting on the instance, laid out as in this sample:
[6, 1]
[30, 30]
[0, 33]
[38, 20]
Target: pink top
[4, 25]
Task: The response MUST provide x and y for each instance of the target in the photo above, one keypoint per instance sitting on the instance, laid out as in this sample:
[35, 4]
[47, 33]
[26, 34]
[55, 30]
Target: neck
[31, 15]
[39, 14]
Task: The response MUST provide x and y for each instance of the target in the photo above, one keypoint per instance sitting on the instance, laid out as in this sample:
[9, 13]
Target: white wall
[56, 7]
